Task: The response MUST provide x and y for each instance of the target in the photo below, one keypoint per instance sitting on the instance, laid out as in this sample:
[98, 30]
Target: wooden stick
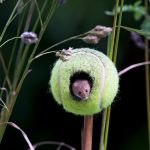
[87, 133]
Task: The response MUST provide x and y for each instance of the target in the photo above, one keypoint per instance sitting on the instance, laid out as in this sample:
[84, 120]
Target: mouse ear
[100, 72]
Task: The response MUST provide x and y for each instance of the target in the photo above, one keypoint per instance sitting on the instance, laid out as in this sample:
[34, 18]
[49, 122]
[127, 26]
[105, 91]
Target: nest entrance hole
[80, 76]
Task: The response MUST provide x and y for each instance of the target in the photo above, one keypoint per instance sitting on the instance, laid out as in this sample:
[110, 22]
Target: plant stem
[38, 56]
[113, 56]
[26, 49]
[147, 80]
[35, 48]
[87, 133]
[114, 31]
[39, 13]
[103, 126]
[10, 101]
[107, 127]
[26, 28]
[118, 33]
[13, 94]
[11, 39]
[9, 21]
[61, 42]
[4, 113]
[13, 49]
[5, 70]
[147, 76]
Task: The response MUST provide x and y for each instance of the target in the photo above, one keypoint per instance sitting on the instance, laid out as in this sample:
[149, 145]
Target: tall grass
[26, 54]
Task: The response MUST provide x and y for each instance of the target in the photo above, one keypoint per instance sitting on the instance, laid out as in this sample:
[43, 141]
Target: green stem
[147, 80]
[5, 115]
[38, 56]
[27, 47]
[9, 21]
[39, 14]
[147, 77]
[103, 127]
[11, 39]
[5, 70]
[107, 127]
[13, 49]
[111, 54]
[10, 101]
[109, 43]
[35, 48]
[37, 21]
[26, 28]
[25, 5]
[114, 30]
[118, 33]
[66, 40]
[15, 43]
[13, 94]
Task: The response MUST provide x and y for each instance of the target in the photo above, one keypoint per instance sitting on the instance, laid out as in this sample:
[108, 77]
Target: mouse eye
[79, 93]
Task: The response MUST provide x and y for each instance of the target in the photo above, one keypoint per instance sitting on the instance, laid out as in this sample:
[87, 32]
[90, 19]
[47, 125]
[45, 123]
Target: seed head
[29, 37]
[96, 34]
[91, 39]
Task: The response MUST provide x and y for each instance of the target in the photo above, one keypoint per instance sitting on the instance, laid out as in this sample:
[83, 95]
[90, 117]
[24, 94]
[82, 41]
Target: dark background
[38, 114]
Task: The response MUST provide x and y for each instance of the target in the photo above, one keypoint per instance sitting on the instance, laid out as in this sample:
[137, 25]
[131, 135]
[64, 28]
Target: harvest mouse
[81, 89]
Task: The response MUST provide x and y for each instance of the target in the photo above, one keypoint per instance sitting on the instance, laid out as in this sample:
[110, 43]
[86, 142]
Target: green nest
[96, 66]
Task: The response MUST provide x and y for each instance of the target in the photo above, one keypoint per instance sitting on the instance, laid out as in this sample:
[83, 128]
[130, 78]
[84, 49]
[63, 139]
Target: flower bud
[29, 37]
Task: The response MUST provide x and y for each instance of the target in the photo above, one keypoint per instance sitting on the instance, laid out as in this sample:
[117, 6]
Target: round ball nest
[92, 65]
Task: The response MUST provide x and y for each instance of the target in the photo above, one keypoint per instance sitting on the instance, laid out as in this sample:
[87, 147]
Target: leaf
[137, 3]
[140, 32]
[146, 26]
[137, 9]
[139, 12]
[126, 8]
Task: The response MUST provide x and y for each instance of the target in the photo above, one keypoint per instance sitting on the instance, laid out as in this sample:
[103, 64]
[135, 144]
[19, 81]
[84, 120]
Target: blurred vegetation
[38, 114]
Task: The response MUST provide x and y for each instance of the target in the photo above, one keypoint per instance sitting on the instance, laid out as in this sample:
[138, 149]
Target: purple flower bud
[137, 40]
[91, 39]
[29, 37]
[101, 31]
[96, 34]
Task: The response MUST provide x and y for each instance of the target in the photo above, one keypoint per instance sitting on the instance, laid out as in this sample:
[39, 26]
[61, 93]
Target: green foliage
[140, 32]
[146, 27]
[137, 9]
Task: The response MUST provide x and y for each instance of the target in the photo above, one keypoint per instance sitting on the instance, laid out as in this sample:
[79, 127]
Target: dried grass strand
[132, 67]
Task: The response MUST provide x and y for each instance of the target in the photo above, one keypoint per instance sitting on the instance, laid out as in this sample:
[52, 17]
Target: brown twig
[87, 133]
